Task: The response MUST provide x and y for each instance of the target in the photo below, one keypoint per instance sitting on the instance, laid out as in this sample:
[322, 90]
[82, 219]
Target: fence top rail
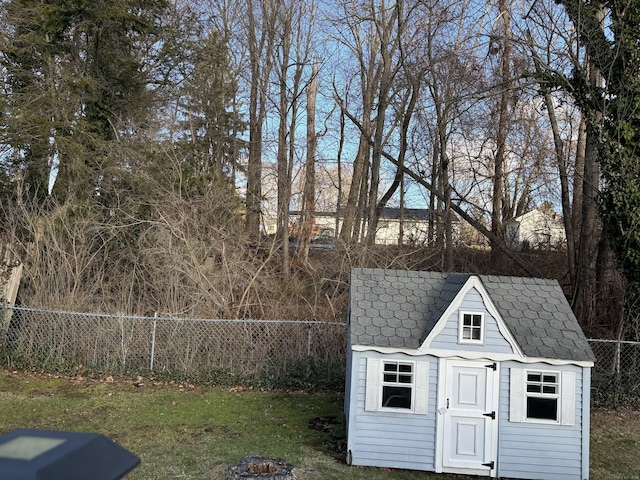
[606, 340]
[158, 318]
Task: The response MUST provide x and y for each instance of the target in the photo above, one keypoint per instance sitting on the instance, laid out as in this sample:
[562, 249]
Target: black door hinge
[490, 414]
[493, 366]
[491, 465]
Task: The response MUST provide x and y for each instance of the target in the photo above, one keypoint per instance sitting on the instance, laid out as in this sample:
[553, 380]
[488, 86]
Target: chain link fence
[293, 354]
[304, 354]
[615, 377]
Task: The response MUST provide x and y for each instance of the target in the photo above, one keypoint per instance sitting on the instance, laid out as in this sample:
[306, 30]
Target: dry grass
[615, 445]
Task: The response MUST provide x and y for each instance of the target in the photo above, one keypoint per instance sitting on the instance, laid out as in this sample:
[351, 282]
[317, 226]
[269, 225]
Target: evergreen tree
[78, 82]
[208, 140]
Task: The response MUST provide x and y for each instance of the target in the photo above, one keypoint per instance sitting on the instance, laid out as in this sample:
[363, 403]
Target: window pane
[390, 367]
[533, 388]
[542, 408]
[466, 320]
[549, 389]
[405, 379]
[396, 397]
[534, 377]
[389, 377]
[477, 320]
[404, 367]
[550, 378]
[475, 334]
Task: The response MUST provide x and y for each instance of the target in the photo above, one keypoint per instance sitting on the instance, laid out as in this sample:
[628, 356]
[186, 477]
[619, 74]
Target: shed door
[469, 423]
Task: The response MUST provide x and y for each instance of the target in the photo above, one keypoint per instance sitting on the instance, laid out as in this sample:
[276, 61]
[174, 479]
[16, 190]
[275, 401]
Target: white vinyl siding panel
[539, 450]
[389, 438]
[493, 340]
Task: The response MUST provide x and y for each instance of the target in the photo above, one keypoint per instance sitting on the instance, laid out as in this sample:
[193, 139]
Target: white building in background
[536, 230]
[414, 221]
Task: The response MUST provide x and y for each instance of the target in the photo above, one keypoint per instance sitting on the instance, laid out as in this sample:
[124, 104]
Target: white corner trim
[472, 282]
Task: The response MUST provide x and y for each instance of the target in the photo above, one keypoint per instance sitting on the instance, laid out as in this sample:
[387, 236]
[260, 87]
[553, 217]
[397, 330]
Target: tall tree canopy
[610, 33]
[77, 80]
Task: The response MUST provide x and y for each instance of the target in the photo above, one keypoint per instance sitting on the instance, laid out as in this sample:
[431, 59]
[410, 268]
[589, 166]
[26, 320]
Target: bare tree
[497, 227]
[297, 23]
[309, 197]
[261, 34]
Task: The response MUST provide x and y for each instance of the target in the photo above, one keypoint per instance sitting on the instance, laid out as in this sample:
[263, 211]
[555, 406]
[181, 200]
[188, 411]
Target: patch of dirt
[324, 424]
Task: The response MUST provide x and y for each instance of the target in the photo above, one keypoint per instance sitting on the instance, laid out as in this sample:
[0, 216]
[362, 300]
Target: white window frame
[462, 327]
[374, 385]
[565, 394]
[543, 384]
[401, 375]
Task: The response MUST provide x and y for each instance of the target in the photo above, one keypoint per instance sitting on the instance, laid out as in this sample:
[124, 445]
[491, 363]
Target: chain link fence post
[153, 340]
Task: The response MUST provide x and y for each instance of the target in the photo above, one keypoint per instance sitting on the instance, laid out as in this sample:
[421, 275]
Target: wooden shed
[468, 374]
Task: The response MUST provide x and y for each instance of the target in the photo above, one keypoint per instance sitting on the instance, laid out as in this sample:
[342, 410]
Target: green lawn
[185, 432]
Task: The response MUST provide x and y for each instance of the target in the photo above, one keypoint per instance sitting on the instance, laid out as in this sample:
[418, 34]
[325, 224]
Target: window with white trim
[396, 385]
[471, 328]
[542, 396]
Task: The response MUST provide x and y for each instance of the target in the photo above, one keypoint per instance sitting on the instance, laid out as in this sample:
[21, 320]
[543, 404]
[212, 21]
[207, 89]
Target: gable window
[471, 327]
[396, 385]
[540, 396]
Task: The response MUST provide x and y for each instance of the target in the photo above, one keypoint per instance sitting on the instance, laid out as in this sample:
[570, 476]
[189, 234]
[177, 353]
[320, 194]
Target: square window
[471, 328]
[397, 385]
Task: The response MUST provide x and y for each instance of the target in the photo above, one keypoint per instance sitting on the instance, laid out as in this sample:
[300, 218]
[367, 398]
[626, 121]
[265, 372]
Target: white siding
[537, 450]
[390, 439]
[494, 342]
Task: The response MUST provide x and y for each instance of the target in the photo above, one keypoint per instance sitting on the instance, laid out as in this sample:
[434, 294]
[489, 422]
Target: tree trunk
[578, 183]
[310, 177]
[497, 227]
[260, 60]
[584, 300]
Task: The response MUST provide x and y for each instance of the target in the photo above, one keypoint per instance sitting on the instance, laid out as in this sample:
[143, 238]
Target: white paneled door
[468, 416]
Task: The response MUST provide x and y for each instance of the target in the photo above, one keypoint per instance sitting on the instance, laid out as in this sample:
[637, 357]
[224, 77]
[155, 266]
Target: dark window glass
[542, 408]
[533, 377]
[471, 327]
[396, 397]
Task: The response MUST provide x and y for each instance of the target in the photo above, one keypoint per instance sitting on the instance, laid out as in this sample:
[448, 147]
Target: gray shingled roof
[397, 308]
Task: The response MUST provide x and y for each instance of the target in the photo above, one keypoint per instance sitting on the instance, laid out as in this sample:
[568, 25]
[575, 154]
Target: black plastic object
[52, 455]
